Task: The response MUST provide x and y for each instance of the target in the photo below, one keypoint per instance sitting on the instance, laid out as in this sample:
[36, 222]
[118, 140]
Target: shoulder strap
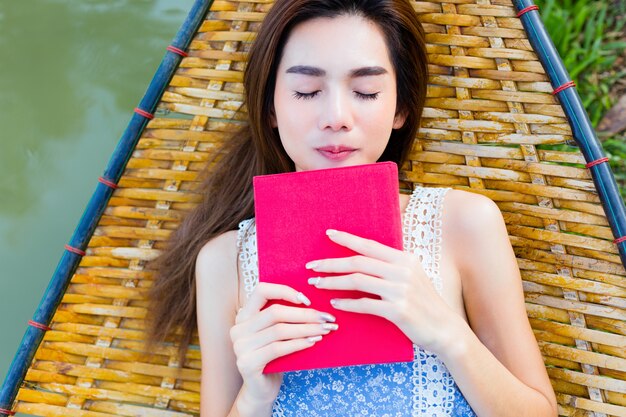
[434, 386]
[422, 229]
[247, 260]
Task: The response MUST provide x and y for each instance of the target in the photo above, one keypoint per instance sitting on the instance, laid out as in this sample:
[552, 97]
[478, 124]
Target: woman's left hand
[407, 297]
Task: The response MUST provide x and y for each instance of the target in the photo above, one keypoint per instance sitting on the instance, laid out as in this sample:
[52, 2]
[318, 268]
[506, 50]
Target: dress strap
[247, 255]
[422, 229]
[433, 392]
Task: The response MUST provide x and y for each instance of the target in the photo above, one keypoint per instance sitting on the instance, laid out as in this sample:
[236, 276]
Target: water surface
[71, 73]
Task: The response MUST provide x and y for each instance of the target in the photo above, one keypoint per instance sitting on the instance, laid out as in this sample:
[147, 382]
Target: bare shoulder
[467, 211]
[472, 222]
[219, 251]
[216, 271]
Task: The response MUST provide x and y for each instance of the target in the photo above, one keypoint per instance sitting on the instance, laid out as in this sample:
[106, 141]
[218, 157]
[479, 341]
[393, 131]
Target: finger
[282, 348]
[264, 292]
[356, 263]
[365, 305]
[289, 331]
[278, 313]
[357, 282]
[256, 361]
[364, 246]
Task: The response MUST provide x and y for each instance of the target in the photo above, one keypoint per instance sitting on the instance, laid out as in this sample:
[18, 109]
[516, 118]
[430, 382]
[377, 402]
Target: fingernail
[331, 232]
[314, 339]
[314, 281]
[330, 326]
[302, 298]
[328, 317]
[312, 264]
[334, 302]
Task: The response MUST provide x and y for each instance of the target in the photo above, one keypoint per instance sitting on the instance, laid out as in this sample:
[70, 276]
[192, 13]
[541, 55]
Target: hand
[407, 297]
[260, 336]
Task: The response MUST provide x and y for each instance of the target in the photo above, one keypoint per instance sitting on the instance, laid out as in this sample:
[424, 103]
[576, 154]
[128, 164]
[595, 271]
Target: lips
[336, 153]
[336, 149]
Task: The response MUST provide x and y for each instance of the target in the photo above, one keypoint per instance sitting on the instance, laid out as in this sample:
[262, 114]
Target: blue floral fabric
[384, 390]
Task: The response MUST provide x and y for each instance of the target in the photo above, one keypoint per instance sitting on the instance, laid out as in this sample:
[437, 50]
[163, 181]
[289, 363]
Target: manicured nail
[312, 264]
[328, 317]
[314, 281]
[302, 298]
[334, 302]
[314, 339]
[330, 326]
[331, 232]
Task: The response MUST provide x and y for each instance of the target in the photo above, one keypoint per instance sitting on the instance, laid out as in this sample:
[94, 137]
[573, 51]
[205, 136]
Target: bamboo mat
[488, 115]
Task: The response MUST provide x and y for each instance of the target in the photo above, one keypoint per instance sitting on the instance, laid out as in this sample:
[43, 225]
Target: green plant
[590, 36]
[587, 36]
[615, 149]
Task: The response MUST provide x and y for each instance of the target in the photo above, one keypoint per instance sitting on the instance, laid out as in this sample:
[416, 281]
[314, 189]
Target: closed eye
[372, 96]
[308, 96]
[305, 96]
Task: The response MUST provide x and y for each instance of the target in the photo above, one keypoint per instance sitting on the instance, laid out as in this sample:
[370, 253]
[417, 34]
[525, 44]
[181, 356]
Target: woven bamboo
[488, 113]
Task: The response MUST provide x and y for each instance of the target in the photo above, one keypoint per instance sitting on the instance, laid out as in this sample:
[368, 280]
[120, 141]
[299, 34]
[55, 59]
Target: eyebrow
[318, 72]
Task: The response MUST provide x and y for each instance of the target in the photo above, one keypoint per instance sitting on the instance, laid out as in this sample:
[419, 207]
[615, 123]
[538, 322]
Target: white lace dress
[423, 387]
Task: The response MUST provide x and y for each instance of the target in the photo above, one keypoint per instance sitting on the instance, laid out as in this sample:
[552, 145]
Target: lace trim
[433, 386]
[422, 230]
[246, 248]
[277, 410]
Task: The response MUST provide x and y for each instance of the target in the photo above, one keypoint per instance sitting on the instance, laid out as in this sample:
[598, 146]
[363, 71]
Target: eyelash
[308, 96]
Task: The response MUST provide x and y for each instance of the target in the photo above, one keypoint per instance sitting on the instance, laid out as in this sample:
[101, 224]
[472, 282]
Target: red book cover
[293, 211]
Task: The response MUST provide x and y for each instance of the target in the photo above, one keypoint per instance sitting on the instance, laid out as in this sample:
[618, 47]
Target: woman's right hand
[260, 336]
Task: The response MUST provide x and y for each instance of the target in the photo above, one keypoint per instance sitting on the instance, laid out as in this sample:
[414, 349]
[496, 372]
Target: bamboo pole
[582, 130]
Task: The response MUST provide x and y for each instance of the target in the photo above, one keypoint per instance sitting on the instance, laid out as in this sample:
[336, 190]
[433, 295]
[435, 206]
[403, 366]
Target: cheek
[292, 116]
[382, 109]
[379, 118]
[281, 101]
[377, 123]
[285, 105]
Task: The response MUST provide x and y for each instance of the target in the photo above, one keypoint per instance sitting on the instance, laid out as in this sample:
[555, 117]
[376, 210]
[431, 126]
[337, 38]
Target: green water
[71, 72]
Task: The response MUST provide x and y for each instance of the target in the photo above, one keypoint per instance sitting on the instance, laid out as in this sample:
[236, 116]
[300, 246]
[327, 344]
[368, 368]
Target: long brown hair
[257, 150]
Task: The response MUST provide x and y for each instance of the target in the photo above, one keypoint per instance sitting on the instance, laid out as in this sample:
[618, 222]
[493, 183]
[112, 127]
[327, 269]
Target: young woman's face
[335, 96]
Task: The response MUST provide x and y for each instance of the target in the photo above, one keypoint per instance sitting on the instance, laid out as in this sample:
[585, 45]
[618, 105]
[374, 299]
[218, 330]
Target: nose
[336, 112]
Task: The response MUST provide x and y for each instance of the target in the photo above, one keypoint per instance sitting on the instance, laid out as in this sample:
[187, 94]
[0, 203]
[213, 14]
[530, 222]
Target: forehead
[337, 44]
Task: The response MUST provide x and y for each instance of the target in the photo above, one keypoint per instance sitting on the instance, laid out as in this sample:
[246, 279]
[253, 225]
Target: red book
[293, 212]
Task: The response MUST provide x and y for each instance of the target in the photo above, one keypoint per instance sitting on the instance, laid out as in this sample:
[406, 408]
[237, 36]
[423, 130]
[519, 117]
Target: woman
[335, 83]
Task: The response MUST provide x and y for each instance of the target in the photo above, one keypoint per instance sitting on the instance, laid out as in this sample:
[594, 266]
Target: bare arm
[236, 347]
[496, 363]
[216, 295]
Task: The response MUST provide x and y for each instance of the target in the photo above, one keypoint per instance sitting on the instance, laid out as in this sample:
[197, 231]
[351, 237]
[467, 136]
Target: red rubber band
[596, 162]
[144, 113]
[74, 250]
[176, 50]
[7, 412]
[39, 325]
[619, 240]
[527, 9]
[563, 87]
[106, 182]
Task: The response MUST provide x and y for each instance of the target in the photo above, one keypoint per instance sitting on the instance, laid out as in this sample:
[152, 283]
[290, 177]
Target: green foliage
[615, 149]
[587, 36]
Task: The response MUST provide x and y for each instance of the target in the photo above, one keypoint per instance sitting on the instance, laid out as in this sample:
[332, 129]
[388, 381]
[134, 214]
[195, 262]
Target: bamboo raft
[498, 95]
